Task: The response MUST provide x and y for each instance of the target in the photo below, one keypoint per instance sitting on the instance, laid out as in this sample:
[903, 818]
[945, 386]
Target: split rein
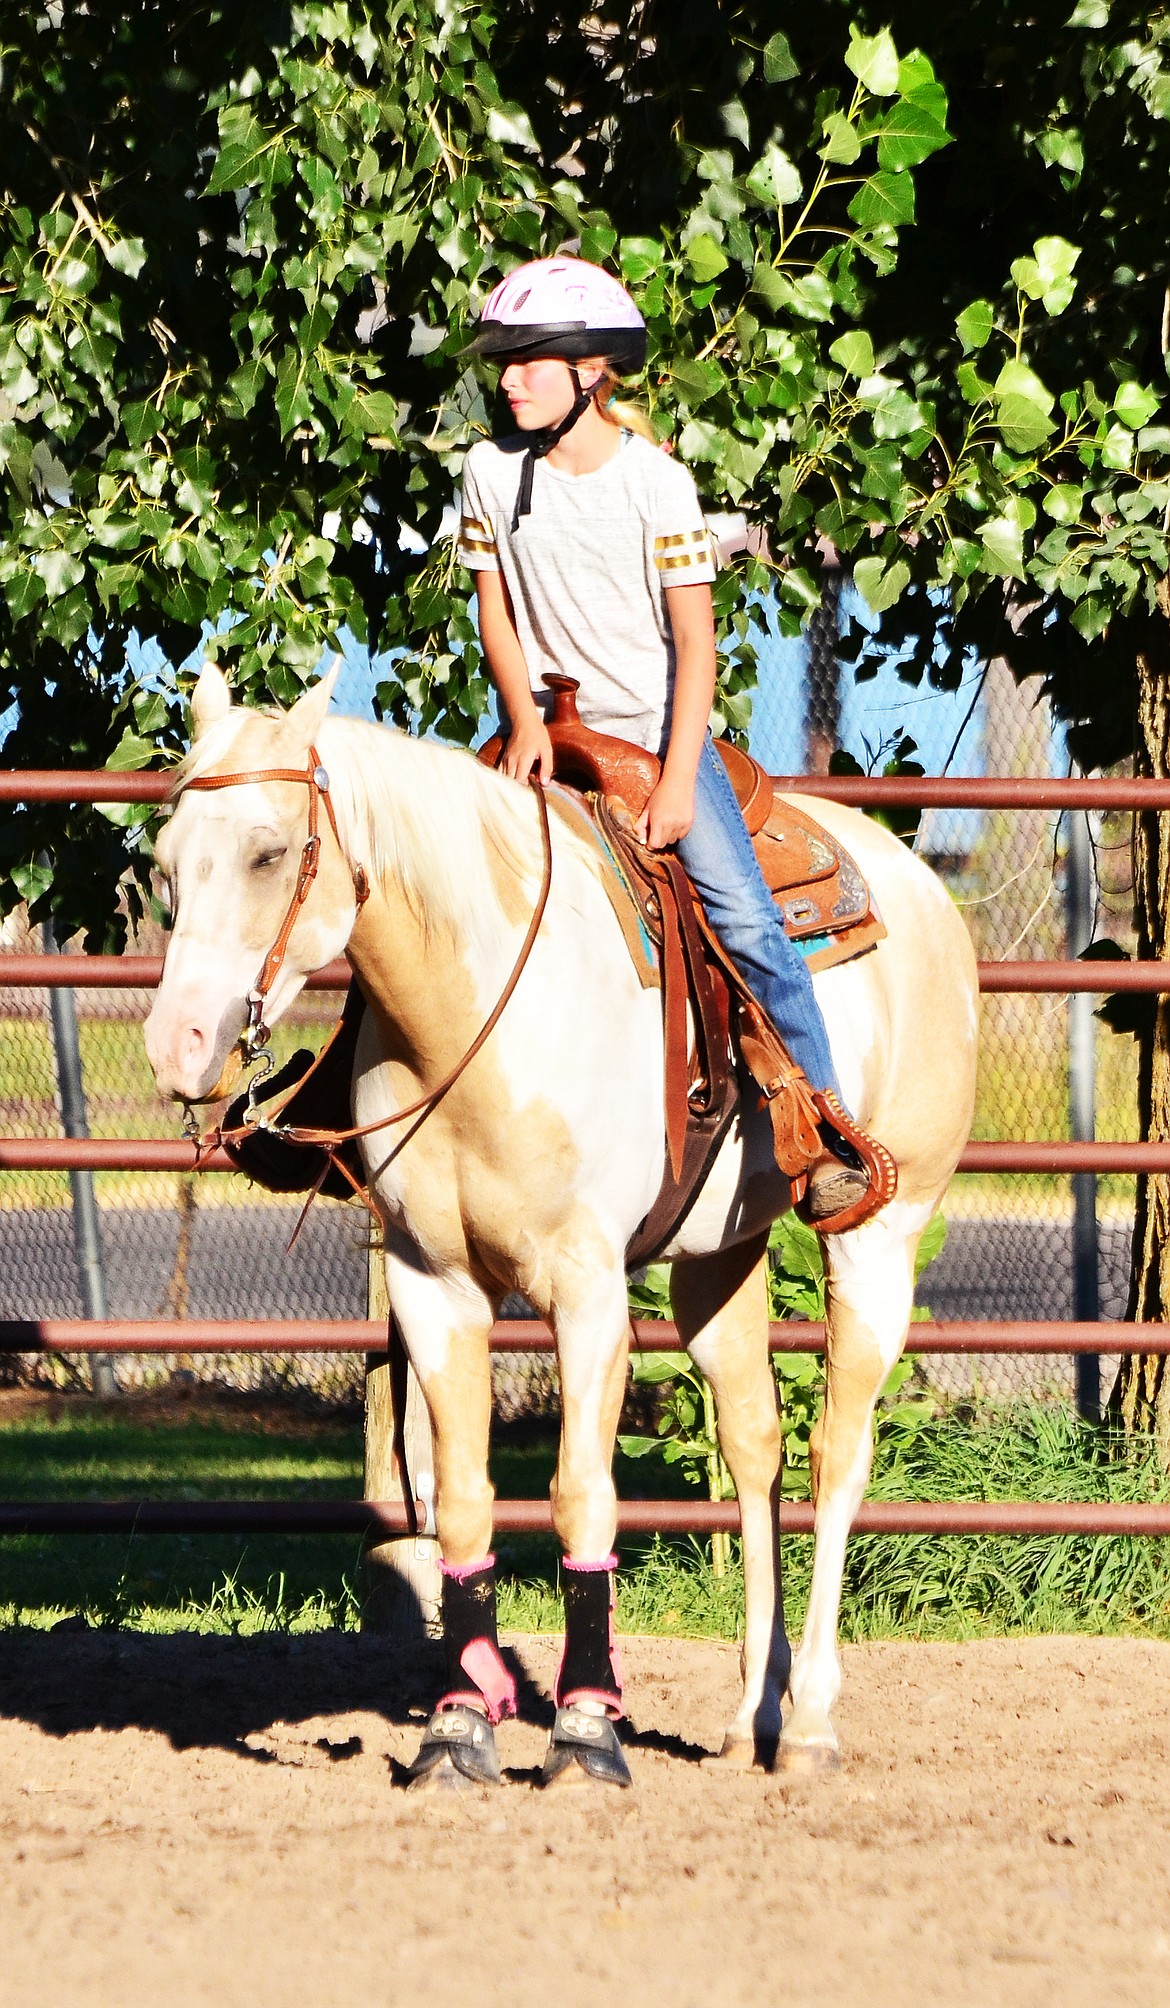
[256, 1033]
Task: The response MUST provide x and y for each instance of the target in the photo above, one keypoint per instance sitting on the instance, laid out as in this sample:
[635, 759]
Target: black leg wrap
[475, 1669]
[469, 1612]
[463, 1739]
[589, 1662]
[589, 1741]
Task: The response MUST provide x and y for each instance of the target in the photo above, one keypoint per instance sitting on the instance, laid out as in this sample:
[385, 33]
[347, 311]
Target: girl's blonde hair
[619, 411]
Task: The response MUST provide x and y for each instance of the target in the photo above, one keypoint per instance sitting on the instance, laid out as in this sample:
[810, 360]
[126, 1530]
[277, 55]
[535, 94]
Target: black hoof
[588, 1742]
[460, 1739]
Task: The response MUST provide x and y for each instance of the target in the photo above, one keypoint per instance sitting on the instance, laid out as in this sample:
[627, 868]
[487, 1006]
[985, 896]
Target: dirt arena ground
[196, 1821]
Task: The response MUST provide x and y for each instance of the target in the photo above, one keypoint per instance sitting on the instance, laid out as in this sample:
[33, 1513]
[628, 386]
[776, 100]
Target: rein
[257, 1034]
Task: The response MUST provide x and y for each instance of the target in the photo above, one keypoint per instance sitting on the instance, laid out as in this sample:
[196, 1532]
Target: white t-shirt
[587, 571]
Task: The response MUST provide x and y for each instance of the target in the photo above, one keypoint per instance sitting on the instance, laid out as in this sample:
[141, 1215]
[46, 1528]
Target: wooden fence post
[403, 1586]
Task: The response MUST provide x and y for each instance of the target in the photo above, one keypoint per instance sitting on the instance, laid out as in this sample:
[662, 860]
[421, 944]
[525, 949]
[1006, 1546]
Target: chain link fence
[214, 1247]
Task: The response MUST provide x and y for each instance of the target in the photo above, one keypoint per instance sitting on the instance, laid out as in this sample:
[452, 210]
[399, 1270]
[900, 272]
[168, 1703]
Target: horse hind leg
[721, 1305]
[869, 1276]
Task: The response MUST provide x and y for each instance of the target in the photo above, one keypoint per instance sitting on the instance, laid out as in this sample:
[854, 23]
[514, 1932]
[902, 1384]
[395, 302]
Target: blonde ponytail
[617, 411]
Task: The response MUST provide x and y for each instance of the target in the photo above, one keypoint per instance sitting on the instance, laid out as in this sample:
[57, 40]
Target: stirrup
[874, 1162]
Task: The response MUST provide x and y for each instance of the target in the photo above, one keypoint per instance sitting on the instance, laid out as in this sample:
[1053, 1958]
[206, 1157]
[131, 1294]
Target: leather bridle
[256, 1033]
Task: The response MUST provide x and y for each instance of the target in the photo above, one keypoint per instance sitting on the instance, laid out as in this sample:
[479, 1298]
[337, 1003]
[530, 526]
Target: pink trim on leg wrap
[481, 1662]
[590, 1568]
[458, 1572]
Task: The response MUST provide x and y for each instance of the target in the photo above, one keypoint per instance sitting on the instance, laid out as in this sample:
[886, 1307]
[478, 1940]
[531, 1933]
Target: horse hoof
[743, 1753]
[583, 1747]
[807, 1760]
[458, 1750]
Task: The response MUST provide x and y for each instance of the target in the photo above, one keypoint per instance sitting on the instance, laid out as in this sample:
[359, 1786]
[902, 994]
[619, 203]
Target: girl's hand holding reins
[668, 814]
[529, 749]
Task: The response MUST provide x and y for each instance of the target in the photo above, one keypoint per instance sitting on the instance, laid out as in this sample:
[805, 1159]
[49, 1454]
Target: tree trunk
[1141, 1394]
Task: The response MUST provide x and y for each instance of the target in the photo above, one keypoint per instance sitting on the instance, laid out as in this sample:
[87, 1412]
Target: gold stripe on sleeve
[690, 561]
[693, 538]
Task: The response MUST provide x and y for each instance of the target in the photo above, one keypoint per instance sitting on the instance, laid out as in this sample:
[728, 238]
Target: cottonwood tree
[904, 274]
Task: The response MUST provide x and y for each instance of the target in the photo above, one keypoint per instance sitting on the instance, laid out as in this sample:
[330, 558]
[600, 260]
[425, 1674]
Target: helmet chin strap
[543, 442]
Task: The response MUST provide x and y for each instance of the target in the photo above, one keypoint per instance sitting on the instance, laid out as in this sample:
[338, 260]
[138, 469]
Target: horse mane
[425, 815]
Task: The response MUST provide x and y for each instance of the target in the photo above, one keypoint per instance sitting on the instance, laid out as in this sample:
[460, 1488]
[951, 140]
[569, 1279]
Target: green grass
[919, 1586]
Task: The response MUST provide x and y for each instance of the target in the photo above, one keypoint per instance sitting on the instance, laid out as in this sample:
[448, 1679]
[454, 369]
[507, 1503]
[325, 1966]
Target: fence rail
[532, 1335]
[143, 972]
[359, 1335]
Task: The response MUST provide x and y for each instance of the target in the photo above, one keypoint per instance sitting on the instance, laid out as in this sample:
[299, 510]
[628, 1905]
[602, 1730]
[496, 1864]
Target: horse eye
[264, 859]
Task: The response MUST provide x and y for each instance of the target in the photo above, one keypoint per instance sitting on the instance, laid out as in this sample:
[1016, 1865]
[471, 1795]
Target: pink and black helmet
[562, 307]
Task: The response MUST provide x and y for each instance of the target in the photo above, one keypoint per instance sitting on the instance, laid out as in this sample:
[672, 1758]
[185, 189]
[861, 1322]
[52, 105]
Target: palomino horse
[537, 1166]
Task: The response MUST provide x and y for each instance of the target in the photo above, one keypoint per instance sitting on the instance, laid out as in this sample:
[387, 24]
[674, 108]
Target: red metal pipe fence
[386, 1519]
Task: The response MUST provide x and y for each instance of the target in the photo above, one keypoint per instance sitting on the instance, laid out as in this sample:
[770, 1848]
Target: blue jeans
[717, 854]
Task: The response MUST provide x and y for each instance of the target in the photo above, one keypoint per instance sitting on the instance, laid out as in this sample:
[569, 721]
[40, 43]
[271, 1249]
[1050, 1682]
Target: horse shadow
[215, 1692]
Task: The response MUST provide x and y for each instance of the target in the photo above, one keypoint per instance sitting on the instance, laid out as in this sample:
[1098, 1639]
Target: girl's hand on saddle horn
[529, 749]
[668, 814]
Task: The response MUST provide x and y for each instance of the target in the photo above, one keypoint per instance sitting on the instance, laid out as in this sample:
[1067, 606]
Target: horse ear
[211, 699]
[308, 713]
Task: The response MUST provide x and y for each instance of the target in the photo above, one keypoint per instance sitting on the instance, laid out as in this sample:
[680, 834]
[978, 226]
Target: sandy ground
[218, 1821]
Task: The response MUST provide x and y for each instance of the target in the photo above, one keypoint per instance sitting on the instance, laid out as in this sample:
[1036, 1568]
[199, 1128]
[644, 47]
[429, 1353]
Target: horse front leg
[721, 1305]
[445, 1325]
[869, 1293]
[591, 1321]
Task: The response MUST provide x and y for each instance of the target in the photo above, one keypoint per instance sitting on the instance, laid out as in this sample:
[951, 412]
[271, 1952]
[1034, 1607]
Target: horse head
[261, 893]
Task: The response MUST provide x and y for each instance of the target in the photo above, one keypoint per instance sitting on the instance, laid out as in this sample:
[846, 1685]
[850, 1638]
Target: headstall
[256, 1033]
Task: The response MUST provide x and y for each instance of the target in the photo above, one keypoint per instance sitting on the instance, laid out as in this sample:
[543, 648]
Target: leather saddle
[823, 899]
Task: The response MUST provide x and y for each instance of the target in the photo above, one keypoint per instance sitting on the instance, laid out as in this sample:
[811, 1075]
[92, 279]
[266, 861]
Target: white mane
[427, 816]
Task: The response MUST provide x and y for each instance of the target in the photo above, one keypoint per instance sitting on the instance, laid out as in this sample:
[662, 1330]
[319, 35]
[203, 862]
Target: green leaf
[131, 752]
[909, 134]
[238, 164]
[510, 125]
[1135, 405]
[1064, 502]
[706, 258]
[1002, 539]
[880, 584]
[774, 180]
[933, 1242]
[1089, 14]
[638, 257]
[1117, 449]
[779, 62]
[1048, 274]
[854, 353]
[974, 324]
[873, 60]
[1090, 616]
[842, 142]
[974, 388]
[1023, 424]
[128, 255]
[886, 198]
[58, 571]
[1017, 380]
[378, 412]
